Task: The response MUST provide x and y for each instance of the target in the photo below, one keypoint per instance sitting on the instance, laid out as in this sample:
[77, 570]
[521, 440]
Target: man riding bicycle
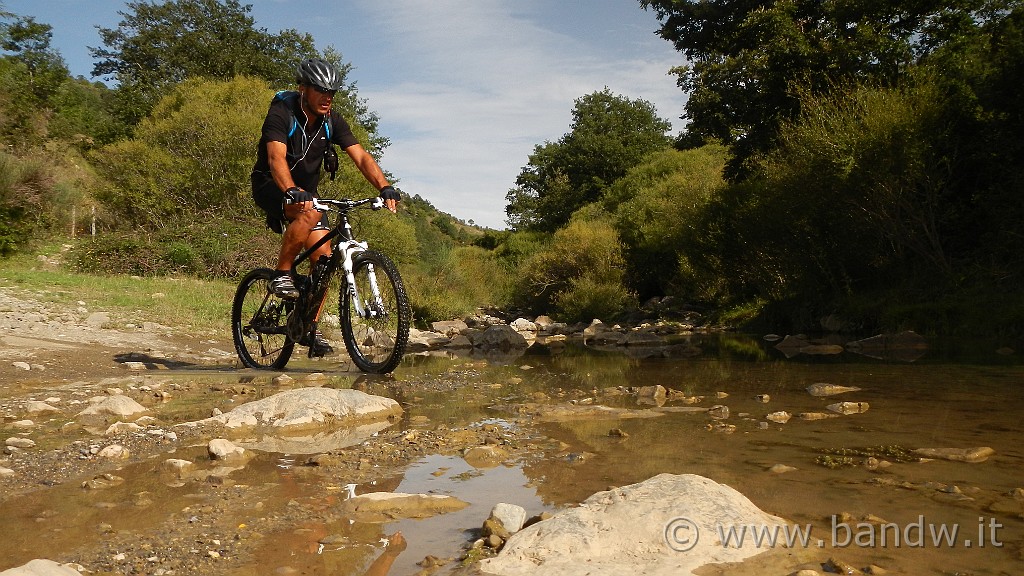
[296, 139]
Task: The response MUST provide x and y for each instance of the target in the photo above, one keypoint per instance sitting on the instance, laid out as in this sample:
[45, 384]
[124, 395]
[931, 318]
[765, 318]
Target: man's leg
[301, 220]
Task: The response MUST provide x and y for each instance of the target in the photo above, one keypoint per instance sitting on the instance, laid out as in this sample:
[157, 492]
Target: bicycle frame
[347, 247]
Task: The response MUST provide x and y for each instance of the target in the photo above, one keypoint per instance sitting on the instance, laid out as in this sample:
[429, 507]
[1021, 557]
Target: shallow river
[930, 402]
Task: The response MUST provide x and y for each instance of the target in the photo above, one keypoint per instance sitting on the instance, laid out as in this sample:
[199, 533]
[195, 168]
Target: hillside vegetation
[862, 163]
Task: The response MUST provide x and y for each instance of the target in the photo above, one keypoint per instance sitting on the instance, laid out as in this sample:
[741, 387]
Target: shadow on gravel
[140, 360]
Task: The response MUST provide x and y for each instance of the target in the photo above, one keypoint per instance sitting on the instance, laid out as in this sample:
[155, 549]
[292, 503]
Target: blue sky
[464, 88]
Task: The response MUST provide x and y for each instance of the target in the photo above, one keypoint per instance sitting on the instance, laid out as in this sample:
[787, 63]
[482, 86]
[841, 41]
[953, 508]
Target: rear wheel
[376, 329]
[259, 323]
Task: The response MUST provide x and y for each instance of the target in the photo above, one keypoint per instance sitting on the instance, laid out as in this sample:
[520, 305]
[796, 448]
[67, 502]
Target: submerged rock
[847, 408]
[779, 417]
[971, 455]
[387, 506]
[905, 346]
[823, 389]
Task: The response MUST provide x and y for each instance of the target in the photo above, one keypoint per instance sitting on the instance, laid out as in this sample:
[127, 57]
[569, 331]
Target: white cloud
[481, 84]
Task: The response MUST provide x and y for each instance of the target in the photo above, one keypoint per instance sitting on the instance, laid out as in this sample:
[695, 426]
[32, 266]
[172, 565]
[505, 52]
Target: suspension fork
[350, 249]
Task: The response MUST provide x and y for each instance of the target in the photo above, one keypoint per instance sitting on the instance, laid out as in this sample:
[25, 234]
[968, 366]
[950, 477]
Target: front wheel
[259, 322]
[375, 314]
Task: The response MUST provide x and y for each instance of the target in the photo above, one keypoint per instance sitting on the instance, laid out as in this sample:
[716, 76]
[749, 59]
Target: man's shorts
[271, 200]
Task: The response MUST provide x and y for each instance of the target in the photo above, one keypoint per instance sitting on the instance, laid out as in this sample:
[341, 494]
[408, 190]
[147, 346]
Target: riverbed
[847, 479]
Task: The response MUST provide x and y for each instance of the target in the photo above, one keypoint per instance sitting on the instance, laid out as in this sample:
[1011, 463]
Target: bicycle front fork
[375, 310]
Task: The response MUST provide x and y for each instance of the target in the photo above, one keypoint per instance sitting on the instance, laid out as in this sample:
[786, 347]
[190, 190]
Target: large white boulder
[305, 408]
[667, 525]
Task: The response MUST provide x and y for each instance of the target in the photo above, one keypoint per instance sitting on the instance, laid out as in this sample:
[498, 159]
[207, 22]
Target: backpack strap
[288, 96]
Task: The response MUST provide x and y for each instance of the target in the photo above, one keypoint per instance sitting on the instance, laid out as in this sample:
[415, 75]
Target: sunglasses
[323, 90]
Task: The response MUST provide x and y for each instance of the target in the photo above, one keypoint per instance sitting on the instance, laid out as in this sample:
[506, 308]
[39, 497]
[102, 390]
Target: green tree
[748, 59]
[29, 42]
[657, 206]
[30, 74]
[157, 45]
[609, 135]
[191, 156]
[83, 114]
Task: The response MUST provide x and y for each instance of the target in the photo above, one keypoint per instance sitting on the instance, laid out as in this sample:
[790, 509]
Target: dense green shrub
[24, 200]
[465, 279]
[578, 275]
[193, 154]
[656, 207]
[855, 194]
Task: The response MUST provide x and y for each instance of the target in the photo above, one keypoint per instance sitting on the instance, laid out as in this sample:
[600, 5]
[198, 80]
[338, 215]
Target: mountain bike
[373, 308]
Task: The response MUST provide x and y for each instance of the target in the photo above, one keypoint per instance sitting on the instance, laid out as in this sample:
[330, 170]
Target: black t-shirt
[306, 141]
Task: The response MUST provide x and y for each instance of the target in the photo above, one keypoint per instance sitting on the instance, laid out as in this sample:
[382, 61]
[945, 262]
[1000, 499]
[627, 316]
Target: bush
[465, 279]
[224, 249]
[579, 273]
[656, 207]
[24, 200]
[852, 195]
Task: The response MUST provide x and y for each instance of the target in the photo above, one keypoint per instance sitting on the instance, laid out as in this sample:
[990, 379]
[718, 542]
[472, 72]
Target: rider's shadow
[138, 359]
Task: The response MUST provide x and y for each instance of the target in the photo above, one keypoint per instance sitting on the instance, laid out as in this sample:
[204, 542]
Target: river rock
[823, 389]
[847, 408]
[905, 346]
[625, 531]
[971, 455]
[114, 452]
[485, 456]
[37, 407]
[719, 411]
[121, 428]
[19, 442]
[510, 516]
[424, 340]
[816, 416]
[178, 467]
[501, 337]
[221, 449]
[779, 417]
[119, 406]
[388, 506]
[304, 408]
[41, 568]
[651, 395]
[449, 328]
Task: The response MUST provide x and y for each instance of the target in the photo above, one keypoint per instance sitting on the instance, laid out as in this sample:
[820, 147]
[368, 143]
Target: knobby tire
[376, 341]
[258, 321]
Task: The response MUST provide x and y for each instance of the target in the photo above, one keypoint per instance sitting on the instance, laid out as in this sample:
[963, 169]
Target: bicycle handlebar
[344, 205]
